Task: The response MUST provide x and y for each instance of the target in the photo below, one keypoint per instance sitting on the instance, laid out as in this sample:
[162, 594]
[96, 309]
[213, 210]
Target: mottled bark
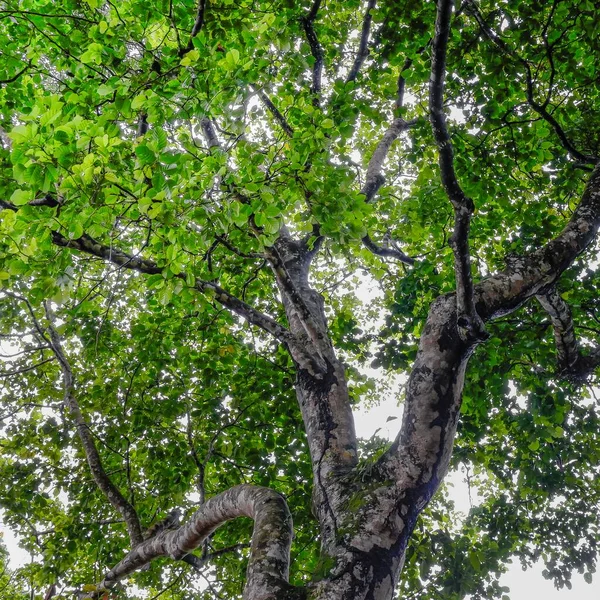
[567, 348]
[268, 567]
[572, 362]
[366, 519]
[322, 394]
[419, 457]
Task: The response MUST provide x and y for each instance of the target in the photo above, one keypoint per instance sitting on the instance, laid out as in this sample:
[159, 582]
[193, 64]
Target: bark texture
[268, 567]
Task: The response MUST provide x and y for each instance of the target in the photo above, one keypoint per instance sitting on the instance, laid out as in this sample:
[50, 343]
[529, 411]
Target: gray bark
[268, 568]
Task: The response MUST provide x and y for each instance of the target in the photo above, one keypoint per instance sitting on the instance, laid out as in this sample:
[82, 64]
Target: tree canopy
[225, 224]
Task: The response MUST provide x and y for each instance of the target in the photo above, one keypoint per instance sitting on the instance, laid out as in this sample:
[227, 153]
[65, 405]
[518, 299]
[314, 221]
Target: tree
[191, 195]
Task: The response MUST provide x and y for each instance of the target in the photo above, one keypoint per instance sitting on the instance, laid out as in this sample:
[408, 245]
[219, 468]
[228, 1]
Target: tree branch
[374, 180]
[88, 245]
[571, 362]
[197, 562]
[540, 109]
[106, 486]
[564, 332]
[313, 329]
[315, 47]
[17, 75]
[470, 323]
[276, 113]
[199, 22]
[209, 132]
[363, 46]
[387, 251]
[419, 457]
[268, 566]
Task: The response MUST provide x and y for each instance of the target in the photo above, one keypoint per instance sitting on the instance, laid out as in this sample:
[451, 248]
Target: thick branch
[196, 28]
[540, 109]
[567, 347]
[106, 486]
[420, 454]
[315, 47]
[470, 324]
[127, 261]
[363, 46]
[268, 567]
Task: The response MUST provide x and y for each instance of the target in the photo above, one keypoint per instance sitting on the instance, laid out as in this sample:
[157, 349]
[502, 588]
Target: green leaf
[145, 155]
[20, 197]
[190, 58]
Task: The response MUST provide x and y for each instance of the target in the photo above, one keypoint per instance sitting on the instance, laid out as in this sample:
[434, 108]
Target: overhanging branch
[268, 567]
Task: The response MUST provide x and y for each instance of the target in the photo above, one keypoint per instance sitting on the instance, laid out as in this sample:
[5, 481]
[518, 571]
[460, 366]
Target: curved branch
[470, 323]
[268, 567]
[567, 347]
[571, 362]
[374, 180]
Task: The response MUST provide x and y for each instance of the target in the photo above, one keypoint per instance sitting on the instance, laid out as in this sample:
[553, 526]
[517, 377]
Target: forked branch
[420, 455]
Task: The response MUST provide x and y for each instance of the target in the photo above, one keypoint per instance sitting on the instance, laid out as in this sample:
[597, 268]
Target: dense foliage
[153, 152]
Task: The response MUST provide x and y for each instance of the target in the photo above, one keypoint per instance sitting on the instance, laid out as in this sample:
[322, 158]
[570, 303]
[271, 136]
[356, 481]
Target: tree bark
[268, 568]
